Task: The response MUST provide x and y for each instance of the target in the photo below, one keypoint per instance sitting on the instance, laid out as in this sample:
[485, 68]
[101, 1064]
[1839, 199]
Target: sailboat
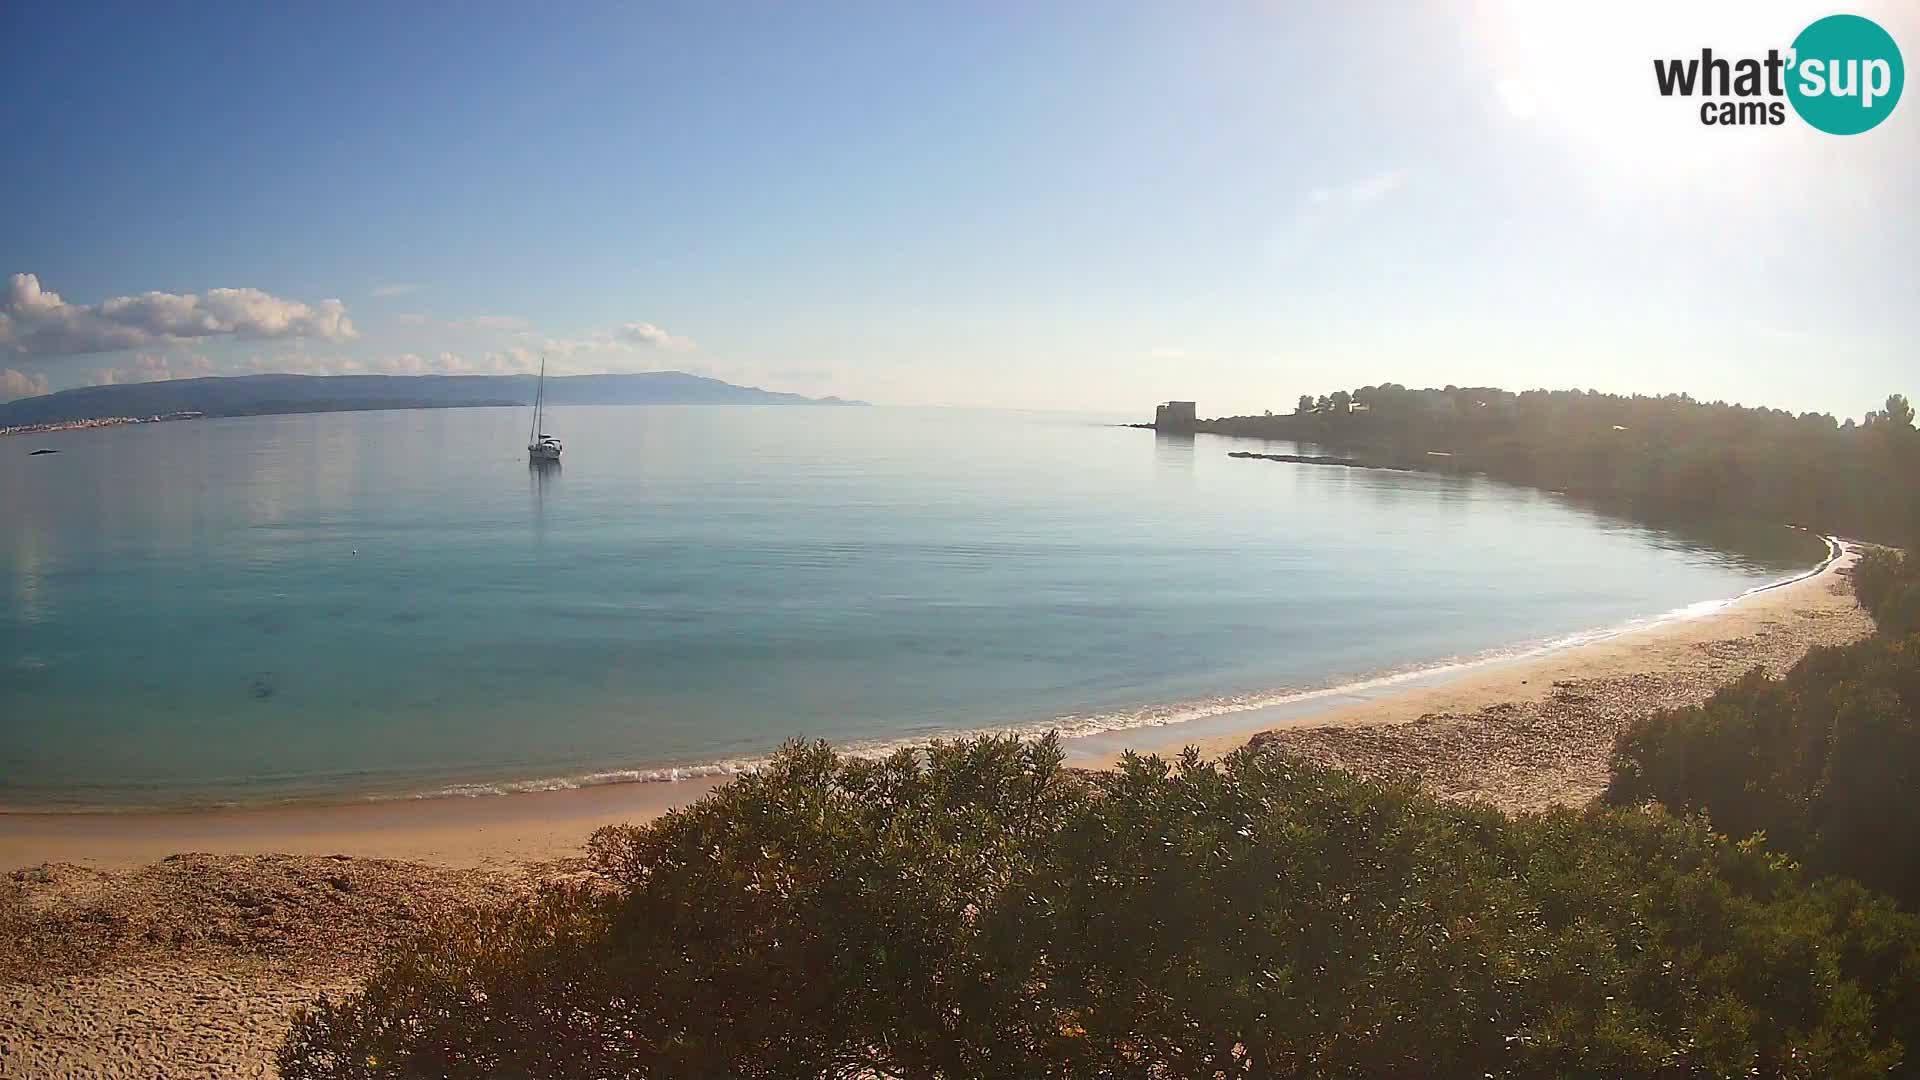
[540, 445]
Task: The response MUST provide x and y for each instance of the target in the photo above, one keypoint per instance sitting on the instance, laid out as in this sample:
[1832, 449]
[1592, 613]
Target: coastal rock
[1318, 459]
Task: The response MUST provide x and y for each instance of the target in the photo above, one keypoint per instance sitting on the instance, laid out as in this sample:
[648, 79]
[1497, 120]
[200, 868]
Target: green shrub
[1887, 584]
[1825, 762]
[979, 911]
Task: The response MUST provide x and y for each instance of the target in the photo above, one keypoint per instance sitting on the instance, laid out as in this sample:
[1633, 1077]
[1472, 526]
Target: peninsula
[91, 422]
[257, 395]
[1647, 455]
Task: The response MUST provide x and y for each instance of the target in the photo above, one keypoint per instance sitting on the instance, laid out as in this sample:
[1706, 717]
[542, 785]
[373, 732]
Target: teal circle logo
[1846, 75]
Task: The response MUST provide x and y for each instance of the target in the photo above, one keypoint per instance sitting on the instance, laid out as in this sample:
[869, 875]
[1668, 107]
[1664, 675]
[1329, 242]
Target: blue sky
[1053, 206]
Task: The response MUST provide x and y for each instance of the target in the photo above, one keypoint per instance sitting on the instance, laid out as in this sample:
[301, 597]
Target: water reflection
[1740, 545]
[1746, 544]
[542, 474]
[30, 575]
[1173, 454]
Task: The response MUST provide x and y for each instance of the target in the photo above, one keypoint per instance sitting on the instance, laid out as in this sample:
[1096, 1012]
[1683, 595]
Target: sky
[1068, 205]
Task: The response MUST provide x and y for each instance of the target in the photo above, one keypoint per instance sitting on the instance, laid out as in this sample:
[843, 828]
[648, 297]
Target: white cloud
[297, 364]
[1322, 207]
[1365, 191]
[572, 346]
[514, 361]
[149, 367]
[409, 364]
[1168, 352]
[648, 336]
[615, 348]
[396, 289]
[19, 384]
[1372, 189]
[35, 322]
[491, 322]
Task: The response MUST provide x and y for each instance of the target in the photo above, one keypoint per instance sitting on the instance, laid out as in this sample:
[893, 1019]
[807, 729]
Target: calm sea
[354, 604]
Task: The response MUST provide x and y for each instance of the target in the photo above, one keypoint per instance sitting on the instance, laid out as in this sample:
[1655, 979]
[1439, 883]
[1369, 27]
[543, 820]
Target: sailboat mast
[539, 396]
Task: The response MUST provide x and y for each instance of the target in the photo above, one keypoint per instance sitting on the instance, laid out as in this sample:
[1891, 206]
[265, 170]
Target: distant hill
[252, 395]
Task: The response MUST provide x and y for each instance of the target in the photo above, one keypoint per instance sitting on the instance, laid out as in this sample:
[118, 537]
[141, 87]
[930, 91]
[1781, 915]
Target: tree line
[1811, 469]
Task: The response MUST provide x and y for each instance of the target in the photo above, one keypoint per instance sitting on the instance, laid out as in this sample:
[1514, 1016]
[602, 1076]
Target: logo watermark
[1843, 75]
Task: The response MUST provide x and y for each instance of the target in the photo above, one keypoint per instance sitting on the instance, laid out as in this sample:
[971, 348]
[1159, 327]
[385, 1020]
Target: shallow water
[341, 605]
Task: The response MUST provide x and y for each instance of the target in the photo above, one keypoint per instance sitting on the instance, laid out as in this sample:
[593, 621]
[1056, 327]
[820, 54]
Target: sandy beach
[1534, 733]
[455, 831]
[178, 944]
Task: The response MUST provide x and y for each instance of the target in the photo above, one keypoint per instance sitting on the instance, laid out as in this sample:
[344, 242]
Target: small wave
[662, 775]
[1082, 725]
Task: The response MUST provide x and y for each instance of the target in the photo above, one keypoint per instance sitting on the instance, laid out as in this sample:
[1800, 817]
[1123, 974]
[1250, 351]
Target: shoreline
[547, 825]
[1077, 731]
[55, 427]
[1534, 733]
[450, 831]
[188, 944]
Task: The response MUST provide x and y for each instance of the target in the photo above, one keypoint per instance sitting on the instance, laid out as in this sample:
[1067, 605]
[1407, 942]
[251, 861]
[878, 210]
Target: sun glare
[1583, 76]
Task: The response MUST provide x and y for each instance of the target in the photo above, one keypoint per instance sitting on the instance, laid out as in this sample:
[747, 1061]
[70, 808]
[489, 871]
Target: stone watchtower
[1174, 416]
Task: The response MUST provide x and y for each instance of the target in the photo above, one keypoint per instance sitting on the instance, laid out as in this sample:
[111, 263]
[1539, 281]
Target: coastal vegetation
[1888, 585]
[1823, 763]
[976, 910]
[1655, 453]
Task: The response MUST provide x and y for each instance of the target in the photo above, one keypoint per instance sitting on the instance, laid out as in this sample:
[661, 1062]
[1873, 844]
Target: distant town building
[1174, 416]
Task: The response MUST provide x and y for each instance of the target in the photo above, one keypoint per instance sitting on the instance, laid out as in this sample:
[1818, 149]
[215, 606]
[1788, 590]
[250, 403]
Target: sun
[1582, 77]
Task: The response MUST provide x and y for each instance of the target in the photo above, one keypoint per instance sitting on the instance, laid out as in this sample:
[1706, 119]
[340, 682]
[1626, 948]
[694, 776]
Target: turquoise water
[336, 606]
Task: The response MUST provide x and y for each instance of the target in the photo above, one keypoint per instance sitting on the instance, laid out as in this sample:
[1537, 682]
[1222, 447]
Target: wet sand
[1534, 733]
[453, 831]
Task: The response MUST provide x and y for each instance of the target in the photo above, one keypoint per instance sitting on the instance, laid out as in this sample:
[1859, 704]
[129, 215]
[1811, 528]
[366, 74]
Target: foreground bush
[1824, 762]
[1887, 584]
[977, 911]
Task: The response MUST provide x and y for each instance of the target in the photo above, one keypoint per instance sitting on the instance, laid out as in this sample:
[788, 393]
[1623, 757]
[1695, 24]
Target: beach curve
[129, 959]
[1690, 650]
